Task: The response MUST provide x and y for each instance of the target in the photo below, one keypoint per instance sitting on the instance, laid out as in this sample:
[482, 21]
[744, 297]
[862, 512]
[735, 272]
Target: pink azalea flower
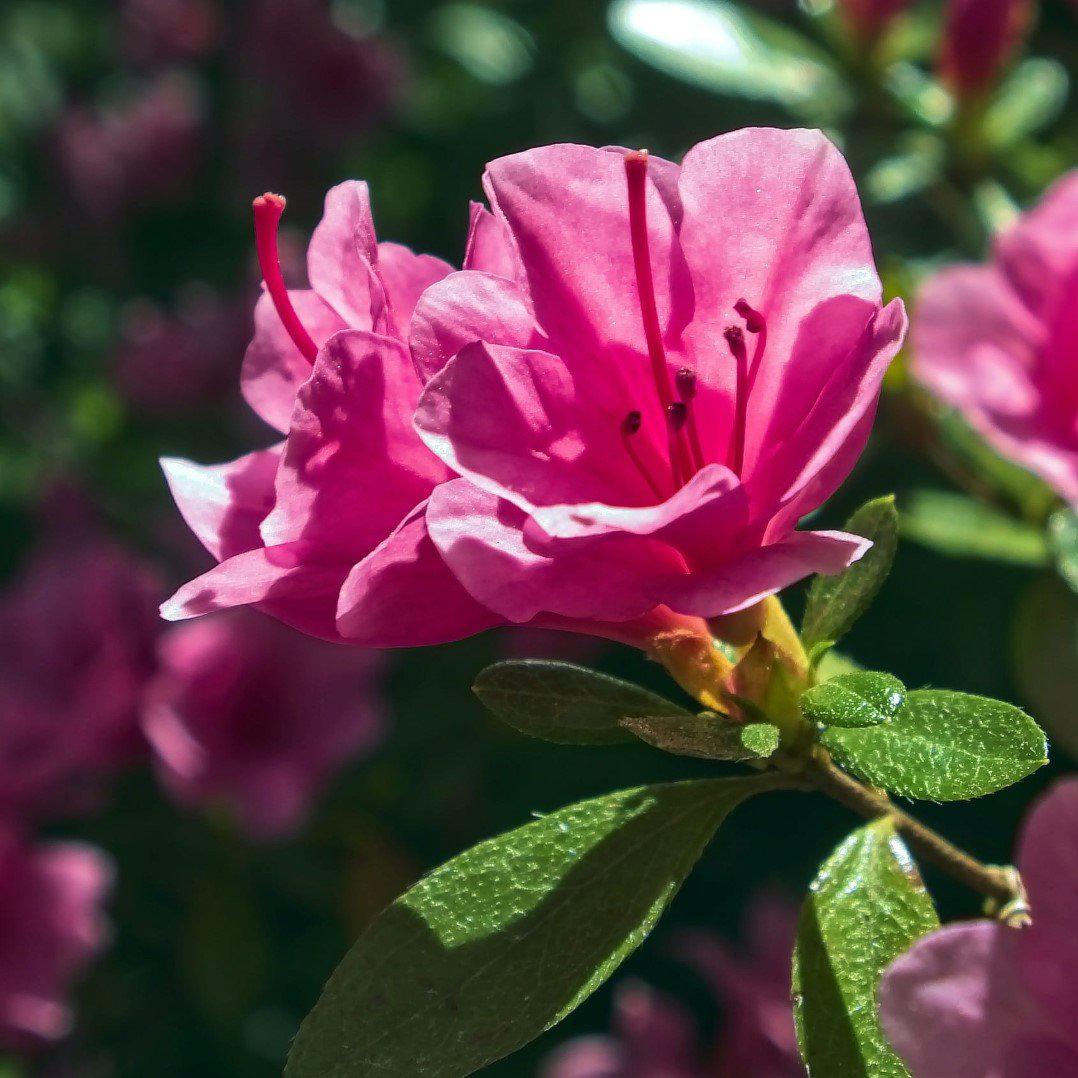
[51, 925]
[164, 31]
[979, 1000]
[979, 39]
[77, 630]
[246, 713]
[655, 1037]
[669, 367]
[868, 19]
[997, 341]
[344, 495]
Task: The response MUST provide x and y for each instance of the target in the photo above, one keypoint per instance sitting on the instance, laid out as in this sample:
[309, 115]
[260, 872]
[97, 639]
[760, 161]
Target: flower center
[267, 211]
[683, 435]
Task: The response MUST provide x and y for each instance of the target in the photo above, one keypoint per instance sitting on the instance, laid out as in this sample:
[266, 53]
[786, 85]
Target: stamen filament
[686, 387]
[267, 210]
[736, 340]
[629, 426]
[636, 173]
[757, 325]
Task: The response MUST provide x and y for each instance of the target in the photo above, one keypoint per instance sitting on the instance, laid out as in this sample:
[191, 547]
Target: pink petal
[567, 209]
[273, 367]
[352, 465]
[1040, 1057]
[341, 255]
[464, 308]
[403, 595]
[490, 247]
[951, 1005]
[295, 583]
[535, 428]
[481, 538]
[753, 576]
[771, 217]
[405, 275]
[223, 504]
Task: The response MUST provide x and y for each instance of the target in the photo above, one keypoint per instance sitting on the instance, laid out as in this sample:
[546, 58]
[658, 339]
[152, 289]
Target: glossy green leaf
[866, 907]
[503, 941]
[835, 602]
[854, 700]
[568, 704]
[958, 526]
[943, 746]
[706, 737]
[1063, 537]
[729, 50]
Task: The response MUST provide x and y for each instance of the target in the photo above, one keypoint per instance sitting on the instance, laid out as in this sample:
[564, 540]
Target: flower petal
[405, 275]
[490, 247]
[403, 594]
[223, 504]
[352, 465]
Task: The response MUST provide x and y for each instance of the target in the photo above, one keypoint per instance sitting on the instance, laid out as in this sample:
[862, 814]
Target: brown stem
[1001, 886]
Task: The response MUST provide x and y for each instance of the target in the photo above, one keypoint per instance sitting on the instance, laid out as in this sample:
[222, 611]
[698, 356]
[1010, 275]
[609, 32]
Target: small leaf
[706, 737]
[854, 700]
[1063, 537]
[943, 746]
[502, 942]
[835, 602]
[724, 48]
[866, 907]
[565, 703]
[1031, 98]
[958, 526]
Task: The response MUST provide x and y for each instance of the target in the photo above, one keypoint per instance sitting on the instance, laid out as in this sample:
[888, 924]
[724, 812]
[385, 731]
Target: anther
[756, 324]
[676, 415]
[630, 426]
[267, 211]
[685, 380]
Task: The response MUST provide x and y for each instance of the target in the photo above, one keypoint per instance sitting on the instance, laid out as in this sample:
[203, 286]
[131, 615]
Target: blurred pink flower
[997, 341]
[165, 31]
[978, 1000]
[343, 497]
[245, 713]
[142, 150]
[51, 925]
[169, 360]
[77, 630]
[868, 19]
[655, 1037]
[671, 366]
[979, 39]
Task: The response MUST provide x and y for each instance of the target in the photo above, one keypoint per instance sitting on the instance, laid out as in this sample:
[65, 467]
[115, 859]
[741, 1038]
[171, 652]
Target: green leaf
[834, 664]
[724, 48]
[1063, 538]
[866, 907]
[502, 942]
[943, 746]
[1031, 98]
[958, 526]
[854, 700]
[567, 704]
[835, 602]
[706, 737]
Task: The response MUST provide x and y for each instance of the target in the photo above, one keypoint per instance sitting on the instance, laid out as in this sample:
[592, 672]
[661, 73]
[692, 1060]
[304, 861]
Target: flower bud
[979, 38]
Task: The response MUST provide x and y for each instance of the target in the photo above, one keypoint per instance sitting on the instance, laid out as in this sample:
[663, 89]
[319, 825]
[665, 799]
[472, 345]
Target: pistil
[636, 174]
[267, 211]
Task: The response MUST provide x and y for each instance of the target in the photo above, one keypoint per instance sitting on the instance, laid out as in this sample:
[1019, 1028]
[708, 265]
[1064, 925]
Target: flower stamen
[630, 425]
[756, 324]
[685, 380]
[267, 211]
[636, 174]
[735, 338]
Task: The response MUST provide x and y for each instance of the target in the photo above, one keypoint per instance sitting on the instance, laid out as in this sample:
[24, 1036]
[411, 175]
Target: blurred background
[195, 821]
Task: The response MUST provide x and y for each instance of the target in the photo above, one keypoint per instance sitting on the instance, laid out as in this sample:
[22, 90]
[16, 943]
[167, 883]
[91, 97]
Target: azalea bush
[677, 484]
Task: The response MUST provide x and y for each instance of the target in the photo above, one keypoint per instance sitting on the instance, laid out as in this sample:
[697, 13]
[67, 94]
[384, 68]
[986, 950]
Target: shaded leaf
[503, 941]
[706, 737]
[866, 906]
[852, 700]
[956, 525]
[943, 746]
[835, 602]
[568, 704]
[1063, 537]
[1032, 96]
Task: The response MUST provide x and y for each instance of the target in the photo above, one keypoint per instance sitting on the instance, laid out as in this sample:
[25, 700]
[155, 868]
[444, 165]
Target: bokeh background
[258, 798]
